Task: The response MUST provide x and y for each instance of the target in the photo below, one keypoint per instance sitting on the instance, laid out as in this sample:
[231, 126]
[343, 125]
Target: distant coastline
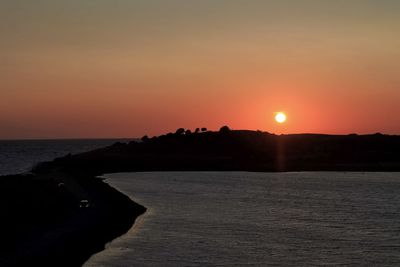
[240, 150]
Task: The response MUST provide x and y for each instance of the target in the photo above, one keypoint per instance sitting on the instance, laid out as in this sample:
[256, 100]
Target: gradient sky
[125, 68]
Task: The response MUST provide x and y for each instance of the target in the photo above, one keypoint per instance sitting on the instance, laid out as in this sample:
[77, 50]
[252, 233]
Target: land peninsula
[62, 212]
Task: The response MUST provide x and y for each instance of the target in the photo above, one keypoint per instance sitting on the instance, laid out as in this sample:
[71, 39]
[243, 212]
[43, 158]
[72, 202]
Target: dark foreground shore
[54, 218]
[61, 214]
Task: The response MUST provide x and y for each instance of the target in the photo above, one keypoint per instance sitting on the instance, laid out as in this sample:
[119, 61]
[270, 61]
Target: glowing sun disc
[280, 117]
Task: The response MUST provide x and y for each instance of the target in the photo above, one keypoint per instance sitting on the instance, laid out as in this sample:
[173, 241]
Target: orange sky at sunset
[73, 69]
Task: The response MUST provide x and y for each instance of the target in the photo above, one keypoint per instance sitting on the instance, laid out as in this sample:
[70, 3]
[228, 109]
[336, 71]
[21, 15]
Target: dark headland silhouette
[239, 150]
[61, 214]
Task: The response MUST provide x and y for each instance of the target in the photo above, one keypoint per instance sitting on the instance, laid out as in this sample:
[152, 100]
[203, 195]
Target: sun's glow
[280, 117]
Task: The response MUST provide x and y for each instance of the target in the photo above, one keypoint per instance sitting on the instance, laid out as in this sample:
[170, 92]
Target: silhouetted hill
[241, 150]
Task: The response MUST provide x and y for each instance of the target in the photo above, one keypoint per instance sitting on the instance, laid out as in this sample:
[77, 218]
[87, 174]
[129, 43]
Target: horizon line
[138, 138]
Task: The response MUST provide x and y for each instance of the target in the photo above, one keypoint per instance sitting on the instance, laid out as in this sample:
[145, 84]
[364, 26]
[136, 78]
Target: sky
[126, 68]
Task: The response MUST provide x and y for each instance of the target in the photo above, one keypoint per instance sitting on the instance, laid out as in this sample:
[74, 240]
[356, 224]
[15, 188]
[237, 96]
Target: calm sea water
[259, 219]
[18, 156]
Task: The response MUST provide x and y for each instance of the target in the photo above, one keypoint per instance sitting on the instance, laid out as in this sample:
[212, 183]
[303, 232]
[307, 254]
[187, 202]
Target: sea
[259, 219]
[241, 218]
[19, 156]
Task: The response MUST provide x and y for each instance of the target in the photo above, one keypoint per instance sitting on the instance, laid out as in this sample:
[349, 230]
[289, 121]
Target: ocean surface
[17, 156]
[259, 219]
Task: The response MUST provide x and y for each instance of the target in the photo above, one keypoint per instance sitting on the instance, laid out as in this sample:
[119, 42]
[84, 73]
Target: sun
[280, 117]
